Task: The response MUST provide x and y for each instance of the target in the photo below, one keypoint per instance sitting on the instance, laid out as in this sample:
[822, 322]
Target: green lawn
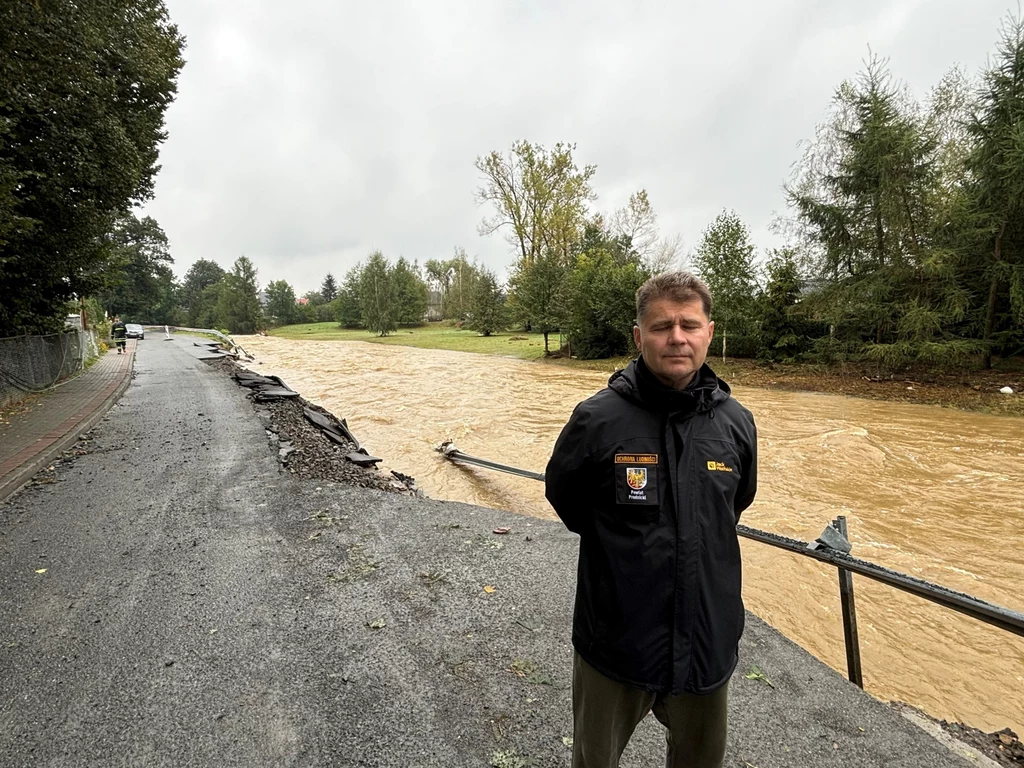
[527, 346]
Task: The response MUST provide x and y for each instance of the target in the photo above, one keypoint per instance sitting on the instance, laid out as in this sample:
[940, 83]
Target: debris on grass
[377, 624]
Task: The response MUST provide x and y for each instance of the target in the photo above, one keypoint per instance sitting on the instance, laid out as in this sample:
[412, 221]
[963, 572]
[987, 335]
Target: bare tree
[666, 254]
[638, 224]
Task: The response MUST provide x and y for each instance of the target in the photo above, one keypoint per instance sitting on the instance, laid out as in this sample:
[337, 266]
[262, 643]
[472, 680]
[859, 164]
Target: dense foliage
[83, 90]
[908, 217]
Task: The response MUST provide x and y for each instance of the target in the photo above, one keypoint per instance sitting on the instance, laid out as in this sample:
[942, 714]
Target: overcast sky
[307, 133]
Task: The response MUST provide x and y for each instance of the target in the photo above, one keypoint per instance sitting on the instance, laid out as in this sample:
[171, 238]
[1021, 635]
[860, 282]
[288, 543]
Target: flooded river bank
[933, 492]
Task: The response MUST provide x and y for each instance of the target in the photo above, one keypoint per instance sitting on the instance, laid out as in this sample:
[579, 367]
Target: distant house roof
[302, 300]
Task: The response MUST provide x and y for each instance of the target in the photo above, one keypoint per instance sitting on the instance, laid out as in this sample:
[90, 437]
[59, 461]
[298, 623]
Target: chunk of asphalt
[362, 459]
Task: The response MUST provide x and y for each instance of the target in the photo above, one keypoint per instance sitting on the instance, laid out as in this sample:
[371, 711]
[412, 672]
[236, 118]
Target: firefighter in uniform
[119, 332]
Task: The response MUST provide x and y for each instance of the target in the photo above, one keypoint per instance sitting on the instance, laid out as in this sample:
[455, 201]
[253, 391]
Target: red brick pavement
[35, 435]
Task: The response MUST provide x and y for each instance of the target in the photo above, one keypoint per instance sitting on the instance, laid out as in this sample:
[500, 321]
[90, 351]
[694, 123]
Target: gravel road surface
[174, 598]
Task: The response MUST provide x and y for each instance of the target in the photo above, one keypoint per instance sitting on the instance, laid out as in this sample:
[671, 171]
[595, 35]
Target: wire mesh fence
[31, 364]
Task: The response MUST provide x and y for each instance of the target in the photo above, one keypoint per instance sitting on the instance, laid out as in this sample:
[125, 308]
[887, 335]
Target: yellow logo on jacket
[636, 477]
[717, 466]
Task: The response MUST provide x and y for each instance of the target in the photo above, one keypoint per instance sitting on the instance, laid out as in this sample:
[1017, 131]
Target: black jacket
[654, 481]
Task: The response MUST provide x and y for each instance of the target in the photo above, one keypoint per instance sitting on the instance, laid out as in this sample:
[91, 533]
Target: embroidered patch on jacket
[636, 478]
[717, 466]
[636, 458]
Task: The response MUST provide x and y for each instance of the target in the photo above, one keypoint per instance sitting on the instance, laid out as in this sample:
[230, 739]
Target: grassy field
[526, 346]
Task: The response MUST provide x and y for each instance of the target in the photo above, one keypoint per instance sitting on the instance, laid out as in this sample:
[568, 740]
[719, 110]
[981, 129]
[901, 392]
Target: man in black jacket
[653, 473]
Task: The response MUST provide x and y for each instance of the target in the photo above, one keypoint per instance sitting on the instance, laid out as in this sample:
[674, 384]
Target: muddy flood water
[933, 492]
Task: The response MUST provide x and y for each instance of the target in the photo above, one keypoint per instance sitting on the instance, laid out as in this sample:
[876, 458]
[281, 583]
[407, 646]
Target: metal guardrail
[832, 547]
[448, 450]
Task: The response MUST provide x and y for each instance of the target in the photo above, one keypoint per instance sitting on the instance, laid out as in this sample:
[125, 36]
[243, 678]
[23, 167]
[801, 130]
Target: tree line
[376, 295]
[907, 220]
[904, 234]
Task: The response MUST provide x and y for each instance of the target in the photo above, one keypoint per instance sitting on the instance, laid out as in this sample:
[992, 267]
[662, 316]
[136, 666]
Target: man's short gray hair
[678, 286]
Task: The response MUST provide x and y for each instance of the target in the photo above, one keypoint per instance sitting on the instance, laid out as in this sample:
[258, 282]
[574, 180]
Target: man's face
[673, 338]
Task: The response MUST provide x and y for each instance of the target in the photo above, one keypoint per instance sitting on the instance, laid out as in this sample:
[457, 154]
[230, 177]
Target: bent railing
[833, 548]
[168, 330]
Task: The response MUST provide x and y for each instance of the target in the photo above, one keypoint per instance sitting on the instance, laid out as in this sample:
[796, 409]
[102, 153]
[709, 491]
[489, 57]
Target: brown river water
[933, 492]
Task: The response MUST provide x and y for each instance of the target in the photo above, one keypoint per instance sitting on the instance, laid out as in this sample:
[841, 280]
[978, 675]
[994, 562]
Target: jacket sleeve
[748, 485]
[568, 477]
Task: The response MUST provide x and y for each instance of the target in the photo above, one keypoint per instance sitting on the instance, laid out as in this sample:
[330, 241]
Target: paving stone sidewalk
[35, 432]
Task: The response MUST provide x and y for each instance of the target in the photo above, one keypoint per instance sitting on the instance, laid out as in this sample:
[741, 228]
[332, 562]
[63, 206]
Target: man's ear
[636, 336]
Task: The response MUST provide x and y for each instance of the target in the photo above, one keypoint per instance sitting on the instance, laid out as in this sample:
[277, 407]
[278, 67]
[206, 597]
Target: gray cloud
[306, 134]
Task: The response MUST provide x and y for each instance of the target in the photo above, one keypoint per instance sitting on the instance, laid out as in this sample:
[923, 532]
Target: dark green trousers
[605, 714]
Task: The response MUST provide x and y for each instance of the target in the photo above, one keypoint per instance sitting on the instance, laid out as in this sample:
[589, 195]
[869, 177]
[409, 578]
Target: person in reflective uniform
[119, 332]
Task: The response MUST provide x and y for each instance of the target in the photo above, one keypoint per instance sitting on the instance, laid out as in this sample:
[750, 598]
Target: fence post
[850, 635]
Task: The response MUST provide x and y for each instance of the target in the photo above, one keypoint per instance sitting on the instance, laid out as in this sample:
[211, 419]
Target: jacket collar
[636, 382]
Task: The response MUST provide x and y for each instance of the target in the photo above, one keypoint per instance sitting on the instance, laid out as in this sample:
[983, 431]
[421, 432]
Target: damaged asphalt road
[176, 598]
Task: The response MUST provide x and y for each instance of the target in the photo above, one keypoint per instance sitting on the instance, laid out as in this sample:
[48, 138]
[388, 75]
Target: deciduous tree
[538, 295]
[83, 90]
[281, 302]
[200, 276]
[378, 295]
[539, 198]
[348, 305]
[724, 259]
[637, 224]
[456, 279]
[239, 307]
[411, 293]
[600, 297]
[139, 281]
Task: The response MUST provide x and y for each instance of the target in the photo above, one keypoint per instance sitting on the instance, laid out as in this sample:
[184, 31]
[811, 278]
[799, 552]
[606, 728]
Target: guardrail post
[850, 635]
